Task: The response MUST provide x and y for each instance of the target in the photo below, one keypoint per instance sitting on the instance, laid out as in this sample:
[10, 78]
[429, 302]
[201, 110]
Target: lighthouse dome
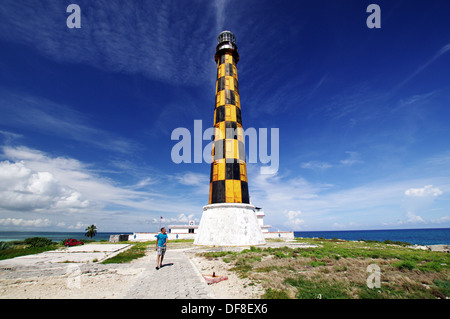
[226, 36]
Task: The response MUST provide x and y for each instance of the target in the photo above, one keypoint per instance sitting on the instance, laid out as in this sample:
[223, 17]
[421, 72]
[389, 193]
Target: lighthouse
[229, 219]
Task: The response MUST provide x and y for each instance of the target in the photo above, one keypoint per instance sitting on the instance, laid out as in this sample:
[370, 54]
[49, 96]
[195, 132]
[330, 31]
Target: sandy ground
[73, 281]
[90, 280]
[232, 288]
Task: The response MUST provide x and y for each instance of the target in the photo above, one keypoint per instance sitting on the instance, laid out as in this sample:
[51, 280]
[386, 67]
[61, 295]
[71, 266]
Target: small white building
[183, 229]
[286, 235]
[260, 216]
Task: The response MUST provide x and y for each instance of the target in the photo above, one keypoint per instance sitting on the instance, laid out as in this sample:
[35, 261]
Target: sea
[429, 236]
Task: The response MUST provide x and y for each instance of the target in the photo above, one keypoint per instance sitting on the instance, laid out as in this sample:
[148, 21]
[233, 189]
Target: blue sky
[86, 115]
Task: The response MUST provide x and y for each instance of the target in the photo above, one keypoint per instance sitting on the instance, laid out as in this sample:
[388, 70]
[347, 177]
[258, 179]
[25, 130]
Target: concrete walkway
[177, 279]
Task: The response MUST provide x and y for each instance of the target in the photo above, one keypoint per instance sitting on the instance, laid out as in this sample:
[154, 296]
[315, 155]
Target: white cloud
[220, 14]
[69, 174]
[78, 225]
[443, 50]
[180, 219]
[337, 225]
[327, 206]
[413, 218]
[72, 194]
[193, 179]
[143, 183]
[319, 165]
[25, 222]
[441, 220]
[425, 191]
[197, 183]
[419, 201]
[9, 136]
[293, 220]
[23, 188]
[353, 158]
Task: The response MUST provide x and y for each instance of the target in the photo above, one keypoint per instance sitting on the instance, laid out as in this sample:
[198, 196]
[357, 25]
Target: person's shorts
[161, 250]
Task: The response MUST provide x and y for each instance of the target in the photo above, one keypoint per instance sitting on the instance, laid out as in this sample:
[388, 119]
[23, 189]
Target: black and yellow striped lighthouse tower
[229, 219]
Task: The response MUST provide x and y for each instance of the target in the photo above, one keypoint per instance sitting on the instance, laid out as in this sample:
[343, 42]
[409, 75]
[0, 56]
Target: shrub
[431, 266]
[215, 254]
[5, 245]
[400, 243]
[280, 254]
[39, 242]
[443, 287]
[275, 294]
[317, 263]
[406, 264]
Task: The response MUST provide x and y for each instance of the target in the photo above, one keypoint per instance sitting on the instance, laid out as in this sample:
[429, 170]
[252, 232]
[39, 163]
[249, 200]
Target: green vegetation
[39, 242]
[318, 288]
[337, 269]
[275, 294]
[29, 246]
[135, 252]
[443, 287]
[5, 245]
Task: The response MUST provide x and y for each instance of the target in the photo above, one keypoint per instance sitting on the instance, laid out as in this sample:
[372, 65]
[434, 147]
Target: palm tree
[91, 231]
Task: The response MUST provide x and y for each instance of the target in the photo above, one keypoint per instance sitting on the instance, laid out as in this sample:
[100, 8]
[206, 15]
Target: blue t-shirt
[161, 239]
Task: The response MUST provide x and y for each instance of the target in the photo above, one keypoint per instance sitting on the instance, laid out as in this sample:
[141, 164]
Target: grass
[275, 294]
[27, 247]
[137, 251]
[318, 288]
[338, 269]
[22, 250]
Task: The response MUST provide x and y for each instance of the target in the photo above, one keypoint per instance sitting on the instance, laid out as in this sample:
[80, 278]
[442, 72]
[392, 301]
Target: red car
[72, 242]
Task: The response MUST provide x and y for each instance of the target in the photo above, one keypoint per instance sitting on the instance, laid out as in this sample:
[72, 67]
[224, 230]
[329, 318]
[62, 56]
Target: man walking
[161, 241]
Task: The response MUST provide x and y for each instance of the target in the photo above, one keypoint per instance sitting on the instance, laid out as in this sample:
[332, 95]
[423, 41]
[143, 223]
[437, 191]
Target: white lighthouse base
[229, 224]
